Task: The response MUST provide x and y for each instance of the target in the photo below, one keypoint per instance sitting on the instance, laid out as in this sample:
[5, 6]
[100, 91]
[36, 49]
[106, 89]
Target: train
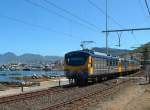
[82, 66]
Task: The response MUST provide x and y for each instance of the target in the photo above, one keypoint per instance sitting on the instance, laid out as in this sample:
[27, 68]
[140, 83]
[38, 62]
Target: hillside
[112, 51]
[142, 48]
[27, 58]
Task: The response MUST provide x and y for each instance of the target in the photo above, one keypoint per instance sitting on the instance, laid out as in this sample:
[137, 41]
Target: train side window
[95, 65]
[111, 62]
[107, 62]
[115, 63]
[103, 63]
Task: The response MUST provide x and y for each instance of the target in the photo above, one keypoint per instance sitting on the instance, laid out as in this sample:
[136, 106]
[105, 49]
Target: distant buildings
[58, 65]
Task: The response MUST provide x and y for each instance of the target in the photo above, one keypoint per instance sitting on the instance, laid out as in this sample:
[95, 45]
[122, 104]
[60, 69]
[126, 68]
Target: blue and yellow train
[86, 65]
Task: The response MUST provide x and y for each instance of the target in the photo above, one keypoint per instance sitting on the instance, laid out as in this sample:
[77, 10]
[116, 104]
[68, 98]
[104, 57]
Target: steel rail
[23, 96]
[51, 91]
[103, 93]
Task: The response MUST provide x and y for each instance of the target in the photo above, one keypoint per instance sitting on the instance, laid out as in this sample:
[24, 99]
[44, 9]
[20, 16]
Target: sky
[36, 26]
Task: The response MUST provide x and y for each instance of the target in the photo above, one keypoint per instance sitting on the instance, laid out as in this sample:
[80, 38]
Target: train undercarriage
[81, 81]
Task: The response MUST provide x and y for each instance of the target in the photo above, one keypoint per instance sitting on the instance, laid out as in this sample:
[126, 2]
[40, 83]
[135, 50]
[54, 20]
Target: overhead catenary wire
[112, 19]
[107, 17]
[137, 41]
[61, 16]
[104, 13]
[142, 7]
[146, 3]
[70, 13]
[34, 25]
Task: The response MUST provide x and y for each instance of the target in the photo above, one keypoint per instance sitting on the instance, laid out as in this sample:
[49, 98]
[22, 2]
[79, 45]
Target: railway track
[84, 100]
[61, 98]
[22, 96]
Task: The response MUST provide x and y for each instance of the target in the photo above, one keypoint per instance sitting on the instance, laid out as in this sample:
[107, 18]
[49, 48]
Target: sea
[9, 76]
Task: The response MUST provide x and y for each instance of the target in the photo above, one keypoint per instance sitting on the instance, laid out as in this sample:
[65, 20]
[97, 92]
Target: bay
[7, 76]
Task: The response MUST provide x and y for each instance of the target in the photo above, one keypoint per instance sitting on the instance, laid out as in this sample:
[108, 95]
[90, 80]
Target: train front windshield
[76, 58]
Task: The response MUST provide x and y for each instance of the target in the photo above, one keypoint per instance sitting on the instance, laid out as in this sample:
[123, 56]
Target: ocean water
[7, 76]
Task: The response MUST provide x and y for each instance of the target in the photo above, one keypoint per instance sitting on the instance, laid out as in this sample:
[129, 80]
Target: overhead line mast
[106, 29]
[123, 30]
[104, 13]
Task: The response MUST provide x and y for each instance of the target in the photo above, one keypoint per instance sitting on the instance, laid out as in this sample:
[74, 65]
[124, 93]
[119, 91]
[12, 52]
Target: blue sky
[25, 28]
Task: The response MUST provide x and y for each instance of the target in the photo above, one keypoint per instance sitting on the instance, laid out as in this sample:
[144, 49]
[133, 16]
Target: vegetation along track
[61, 98]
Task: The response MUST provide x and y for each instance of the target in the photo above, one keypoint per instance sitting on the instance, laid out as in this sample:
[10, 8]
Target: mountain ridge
[111, 51]
[29, 58]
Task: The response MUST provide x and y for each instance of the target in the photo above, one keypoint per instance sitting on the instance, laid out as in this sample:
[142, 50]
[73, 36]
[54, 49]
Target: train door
[119, 66]
[90, 66]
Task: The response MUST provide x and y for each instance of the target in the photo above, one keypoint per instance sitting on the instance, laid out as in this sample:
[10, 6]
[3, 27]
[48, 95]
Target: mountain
[10, 57]
[29, 58]
[112, 51]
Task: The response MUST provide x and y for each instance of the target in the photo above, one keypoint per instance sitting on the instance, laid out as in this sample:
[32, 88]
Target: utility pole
[106, 28]
[121, 31]
[146, 55]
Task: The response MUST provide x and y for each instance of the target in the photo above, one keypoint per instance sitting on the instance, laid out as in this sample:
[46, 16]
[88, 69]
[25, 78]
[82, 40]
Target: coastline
[37, 84]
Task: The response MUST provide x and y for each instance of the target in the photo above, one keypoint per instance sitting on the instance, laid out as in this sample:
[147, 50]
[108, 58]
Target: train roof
[101, 55]
[96, 54]
[104, 56]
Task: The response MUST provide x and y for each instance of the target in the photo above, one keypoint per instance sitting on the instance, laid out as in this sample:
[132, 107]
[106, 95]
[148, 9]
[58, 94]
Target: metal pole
[146, 63]
[21, 87]
[59, 81]
[124, 30]
[106, 30]
[119, 37]
[148, 73]
[22, 83]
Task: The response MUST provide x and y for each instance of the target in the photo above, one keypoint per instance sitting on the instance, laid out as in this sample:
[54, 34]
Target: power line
[70, 13]
[126, 30]
[142, 7]
[103, 12]
[60, 15]
[33, 25]
[46, 9]
[147, 7]
[137, 41]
